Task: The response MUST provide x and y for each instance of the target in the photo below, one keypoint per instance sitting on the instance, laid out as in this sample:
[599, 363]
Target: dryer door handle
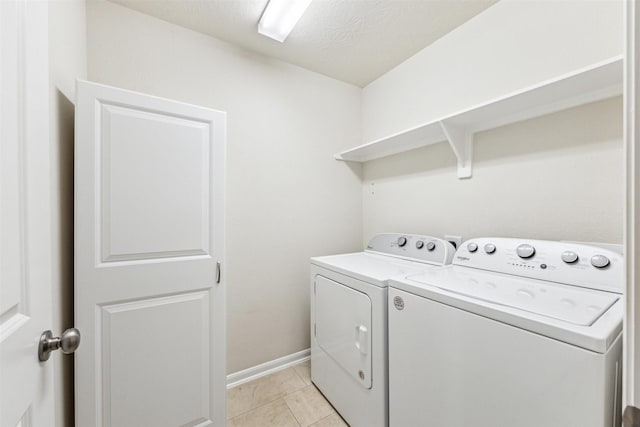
[362, 338]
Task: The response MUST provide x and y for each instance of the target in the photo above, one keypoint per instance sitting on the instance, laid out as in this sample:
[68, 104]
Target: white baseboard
[264, 369]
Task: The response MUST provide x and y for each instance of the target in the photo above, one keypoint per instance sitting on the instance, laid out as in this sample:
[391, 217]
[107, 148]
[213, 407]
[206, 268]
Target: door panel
[176, 330]
[343, 327]
[143, 150]
[149, 233]
[26, 385]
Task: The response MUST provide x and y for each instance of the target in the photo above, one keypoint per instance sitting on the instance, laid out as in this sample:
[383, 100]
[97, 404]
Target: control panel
[571, 263]
[414, 247]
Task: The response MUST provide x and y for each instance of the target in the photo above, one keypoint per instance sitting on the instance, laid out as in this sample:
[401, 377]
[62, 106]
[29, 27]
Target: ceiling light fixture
[280, 16]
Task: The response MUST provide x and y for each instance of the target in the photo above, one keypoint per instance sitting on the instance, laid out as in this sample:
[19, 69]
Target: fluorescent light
[280, 16]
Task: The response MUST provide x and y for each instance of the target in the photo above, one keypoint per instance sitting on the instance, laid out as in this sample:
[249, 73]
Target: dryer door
[343, 327]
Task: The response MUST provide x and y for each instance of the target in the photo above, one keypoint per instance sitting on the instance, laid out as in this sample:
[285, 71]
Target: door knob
[68, 343]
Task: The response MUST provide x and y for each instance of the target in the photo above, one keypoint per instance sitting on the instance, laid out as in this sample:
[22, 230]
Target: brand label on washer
[398, 303]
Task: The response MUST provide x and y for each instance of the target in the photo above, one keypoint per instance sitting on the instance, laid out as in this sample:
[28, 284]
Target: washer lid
[567, 303]
[586, 318]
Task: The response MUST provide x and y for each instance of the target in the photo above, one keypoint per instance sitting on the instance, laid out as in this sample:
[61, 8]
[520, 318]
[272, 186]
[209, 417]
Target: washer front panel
[451, 367]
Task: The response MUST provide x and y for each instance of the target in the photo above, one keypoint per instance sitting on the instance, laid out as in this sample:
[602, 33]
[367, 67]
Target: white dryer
[349, 320]
[516, 333]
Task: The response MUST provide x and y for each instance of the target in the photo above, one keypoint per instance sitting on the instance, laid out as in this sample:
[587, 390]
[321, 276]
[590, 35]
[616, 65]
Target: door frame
[631, 362]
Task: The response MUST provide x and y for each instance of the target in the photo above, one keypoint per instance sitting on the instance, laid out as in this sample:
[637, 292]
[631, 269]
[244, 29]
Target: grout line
[303, 387]
[332, 413]
[275, 399]
[289, 408]
[293, 413]
[333, 410]
[258, 407]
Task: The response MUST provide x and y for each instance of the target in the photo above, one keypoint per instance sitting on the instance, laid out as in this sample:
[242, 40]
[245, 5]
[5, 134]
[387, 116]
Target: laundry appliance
[516, 332]
[349, 320]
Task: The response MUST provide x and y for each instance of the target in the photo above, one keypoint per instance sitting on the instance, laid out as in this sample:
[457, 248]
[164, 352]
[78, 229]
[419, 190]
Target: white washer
[349, 320]
[518, 333]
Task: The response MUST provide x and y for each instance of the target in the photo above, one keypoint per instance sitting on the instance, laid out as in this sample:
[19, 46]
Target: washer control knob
[472, 247]
[420, 244]
[489, 248]
[402, 241]
[599, 261]
[525, 251]
[431, 246]
[569, 257]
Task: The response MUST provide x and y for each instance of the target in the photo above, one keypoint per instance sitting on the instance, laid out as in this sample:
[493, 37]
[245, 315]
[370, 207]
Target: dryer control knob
[569, 257]
[599, 261]
[472, 247]
[420, 244]
[402, 241]
[525, 251]
[489, 248]
[431, 246]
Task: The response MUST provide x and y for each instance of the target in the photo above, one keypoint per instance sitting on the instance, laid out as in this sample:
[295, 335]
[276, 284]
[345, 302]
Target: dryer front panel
[343, 327]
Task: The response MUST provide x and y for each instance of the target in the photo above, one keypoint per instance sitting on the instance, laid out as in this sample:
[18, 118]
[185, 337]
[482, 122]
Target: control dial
[431, 246]
[402, 241]
[599, 261]
[525, 251]
[569, 257]
[472, 247]
[489, 248]
[420, 244]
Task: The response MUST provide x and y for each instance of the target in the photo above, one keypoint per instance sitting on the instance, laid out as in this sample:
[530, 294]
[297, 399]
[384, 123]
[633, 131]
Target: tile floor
[283, 399]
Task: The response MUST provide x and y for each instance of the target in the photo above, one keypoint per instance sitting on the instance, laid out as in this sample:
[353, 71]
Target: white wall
[554, 177]
[511, 45]
[67, 61]
[288, 199]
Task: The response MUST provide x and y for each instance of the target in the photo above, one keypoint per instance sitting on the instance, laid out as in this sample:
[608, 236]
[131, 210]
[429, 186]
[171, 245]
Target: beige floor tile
[332, 420]
[274, 414]
[251, 395]
[308, 405]
[304, 370]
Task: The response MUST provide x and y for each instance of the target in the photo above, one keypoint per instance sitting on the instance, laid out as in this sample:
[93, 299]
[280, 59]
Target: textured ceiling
[351, 40]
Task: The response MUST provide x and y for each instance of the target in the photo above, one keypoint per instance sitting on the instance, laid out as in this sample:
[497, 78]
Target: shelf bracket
[461, 142]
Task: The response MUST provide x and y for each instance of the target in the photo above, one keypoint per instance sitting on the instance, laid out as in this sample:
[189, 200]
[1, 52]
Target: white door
[149, 234]
[26, 392]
